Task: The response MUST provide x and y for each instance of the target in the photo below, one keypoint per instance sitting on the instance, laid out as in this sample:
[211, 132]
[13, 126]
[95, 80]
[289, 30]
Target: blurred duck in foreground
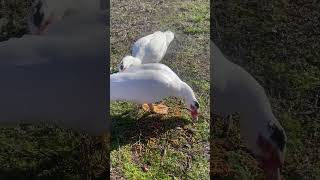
[57, 51]
[236, 91]
[46, 13]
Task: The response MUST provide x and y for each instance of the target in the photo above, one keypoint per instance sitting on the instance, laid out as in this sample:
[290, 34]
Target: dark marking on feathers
[278, 136]
[196, 104]
[38, 15]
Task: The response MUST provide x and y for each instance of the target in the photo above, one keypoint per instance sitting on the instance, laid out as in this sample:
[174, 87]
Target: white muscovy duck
[148, 49]
[65, 40]
[60, 57]
[44, 13]
[149, 83]
[236, 91]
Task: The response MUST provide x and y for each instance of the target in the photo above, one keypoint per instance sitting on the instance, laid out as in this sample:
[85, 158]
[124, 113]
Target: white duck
[148, 49]
[52, 98]
[236, 91]
[66, 40]
[44, 13]
[150, 83]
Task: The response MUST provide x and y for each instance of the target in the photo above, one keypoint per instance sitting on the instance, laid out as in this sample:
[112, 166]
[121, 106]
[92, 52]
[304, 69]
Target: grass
[163, 147]
[42, 151]
[280, 51]
[12, 22]
[276, 41]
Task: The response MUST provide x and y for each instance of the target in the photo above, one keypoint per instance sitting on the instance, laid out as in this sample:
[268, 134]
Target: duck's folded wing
[25, 50]
[138, 48]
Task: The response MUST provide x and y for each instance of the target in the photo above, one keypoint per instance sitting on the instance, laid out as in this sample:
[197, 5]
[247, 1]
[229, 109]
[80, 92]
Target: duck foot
[156, 109]
[159, 109]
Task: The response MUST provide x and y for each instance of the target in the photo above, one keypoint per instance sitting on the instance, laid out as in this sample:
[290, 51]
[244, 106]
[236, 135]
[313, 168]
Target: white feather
[148, 49]
[149, 83]
[236, 91]
[57, 10]
[57, 91]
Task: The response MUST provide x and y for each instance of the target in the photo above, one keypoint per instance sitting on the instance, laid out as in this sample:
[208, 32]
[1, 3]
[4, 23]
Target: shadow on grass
[127, 129]
[47, 152]
[77, 164]
[34, 172]
[16, 174]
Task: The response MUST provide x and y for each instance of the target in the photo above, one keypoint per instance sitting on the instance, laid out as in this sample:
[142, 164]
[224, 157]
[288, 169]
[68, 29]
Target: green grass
[12, 22]
[280, 52]
[163, 147]
[30, 151]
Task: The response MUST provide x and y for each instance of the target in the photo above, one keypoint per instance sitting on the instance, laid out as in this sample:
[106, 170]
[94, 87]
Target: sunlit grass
[165, 147]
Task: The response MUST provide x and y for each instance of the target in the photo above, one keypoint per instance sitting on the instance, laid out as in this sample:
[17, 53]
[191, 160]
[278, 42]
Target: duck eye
[121, 66]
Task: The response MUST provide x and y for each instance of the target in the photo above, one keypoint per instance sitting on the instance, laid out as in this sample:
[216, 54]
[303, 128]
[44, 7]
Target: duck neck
[169, 36]
[136, 61]
[261, 111]
[103, 5]
[186, 92]
[254, 119]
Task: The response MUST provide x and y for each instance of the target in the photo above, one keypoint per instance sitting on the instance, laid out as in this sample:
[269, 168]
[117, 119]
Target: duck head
[269, 148]
[194, 108]
[41, 17]
[127, 62]
[191, 102]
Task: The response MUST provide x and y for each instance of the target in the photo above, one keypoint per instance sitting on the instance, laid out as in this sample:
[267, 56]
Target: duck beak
[272, 162]
[45, 26]
[43, 29]
[272, 173]
[271, 168]
[194, 115]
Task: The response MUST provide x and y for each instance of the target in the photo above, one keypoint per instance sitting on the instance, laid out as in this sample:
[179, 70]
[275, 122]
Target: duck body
[45, 13]
[152, 48]
[234, 84]
[147, 83]
[61, 42]
[132, 87]
[236, 91]
[46, 78]
[148, 49]
[150, 83]
[156, 67]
